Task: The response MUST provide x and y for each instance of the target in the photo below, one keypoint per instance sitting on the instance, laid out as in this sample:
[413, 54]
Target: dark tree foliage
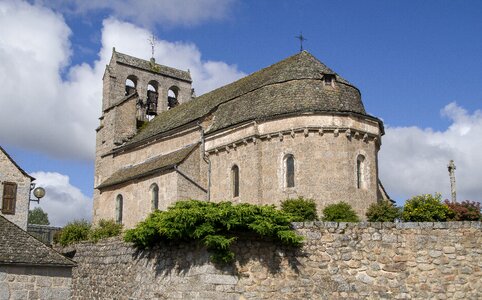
[340, 212]
[216, 225]
[300, 209]
[464, 211]
[38, 216]
[383, 211]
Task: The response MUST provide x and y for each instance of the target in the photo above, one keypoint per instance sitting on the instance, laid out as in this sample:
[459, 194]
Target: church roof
[20, 248]
[151, 166]
[150, 66]
[291, 86]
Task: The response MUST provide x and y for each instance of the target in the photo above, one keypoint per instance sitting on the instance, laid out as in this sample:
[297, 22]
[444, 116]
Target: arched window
[290, 170]
[119, 203]
[154, 189]
[152, 96]
[360, 166]
[235, 180]
[172, 94]
[131, 84]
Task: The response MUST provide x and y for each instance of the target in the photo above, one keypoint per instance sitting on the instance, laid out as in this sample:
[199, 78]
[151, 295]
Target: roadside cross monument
[451, 167]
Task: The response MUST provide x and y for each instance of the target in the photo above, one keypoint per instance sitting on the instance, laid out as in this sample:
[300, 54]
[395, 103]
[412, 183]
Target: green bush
[425, 208]
[74, 232]
[216, 225]
[340, 212]
[300, 209]
[383, 211]
[105, 229]
[464, 211]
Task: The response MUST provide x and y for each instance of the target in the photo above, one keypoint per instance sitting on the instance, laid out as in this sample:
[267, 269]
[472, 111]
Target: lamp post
[38, 192]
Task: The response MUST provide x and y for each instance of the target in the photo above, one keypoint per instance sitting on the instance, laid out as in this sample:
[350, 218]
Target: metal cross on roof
[152, 41]
[301, 38]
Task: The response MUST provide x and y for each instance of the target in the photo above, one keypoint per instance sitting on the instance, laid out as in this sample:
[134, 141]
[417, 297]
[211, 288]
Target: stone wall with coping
[34, 282]
[337, 261]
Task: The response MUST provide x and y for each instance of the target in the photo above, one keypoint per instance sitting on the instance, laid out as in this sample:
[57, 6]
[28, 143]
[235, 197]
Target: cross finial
[152, 41]
[301, 38]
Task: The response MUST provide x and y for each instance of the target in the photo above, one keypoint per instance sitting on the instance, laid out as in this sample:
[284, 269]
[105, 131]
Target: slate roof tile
[148, 167]
[19, 247]
[293, 85]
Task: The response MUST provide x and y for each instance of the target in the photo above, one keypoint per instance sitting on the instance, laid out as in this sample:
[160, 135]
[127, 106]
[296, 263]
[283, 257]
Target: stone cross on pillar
[451, 167]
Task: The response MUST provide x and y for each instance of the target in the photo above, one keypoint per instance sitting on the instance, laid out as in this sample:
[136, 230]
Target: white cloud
[42, 111]
[166, 13]
[414, 160]
[63, 202]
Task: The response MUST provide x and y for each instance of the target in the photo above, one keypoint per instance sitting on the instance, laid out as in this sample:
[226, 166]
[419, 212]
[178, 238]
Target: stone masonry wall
[34, 283]
[9, 172]
[337, 261]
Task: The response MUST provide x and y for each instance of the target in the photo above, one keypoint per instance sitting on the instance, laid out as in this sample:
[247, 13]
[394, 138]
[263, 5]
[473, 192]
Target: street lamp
[38, 192]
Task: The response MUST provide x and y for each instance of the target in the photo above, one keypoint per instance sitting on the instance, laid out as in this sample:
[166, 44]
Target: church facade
[295, 128]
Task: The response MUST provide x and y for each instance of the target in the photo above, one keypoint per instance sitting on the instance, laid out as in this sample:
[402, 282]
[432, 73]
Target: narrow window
[154, 197]
[235, 179]
[9, 198]
[290, 171]
[119, 203]
[359, 171]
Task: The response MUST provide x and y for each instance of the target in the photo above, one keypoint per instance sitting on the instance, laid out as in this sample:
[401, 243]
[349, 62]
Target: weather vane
[152, 41]
[301, 38]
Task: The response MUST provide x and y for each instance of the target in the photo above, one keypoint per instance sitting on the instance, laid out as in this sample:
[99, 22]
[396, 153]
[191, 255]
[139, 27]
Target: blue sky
[417, 63]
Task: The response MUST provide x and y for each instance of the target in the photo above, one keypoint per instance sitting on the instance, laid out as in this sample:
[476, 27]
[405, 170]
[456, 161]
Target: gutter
[206, 159]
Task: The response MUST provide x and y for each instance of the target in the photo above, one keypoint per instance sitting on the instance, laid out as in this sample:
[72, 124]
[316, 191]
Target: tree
[464, 211]
[38, 216]
[300, 209]
[383, 211]
[340, 212]
[426, 208]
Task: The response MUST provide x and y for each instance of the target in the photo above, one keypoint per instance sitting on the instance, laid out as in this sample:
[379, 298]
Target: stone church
[295, 128]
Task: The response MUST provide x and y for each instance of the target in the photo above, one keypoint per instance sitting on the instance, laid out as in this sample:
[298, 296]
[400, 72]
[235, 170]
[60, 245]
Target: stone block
[218, 279]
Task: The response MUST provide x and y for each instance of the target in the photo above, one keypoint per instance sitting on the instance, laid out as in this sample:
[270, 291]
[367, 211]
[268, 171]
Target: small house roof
[20, 248]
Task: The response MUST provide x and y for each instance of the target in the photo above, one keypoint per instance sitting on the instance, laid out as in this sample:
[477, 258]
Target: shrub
[74, 232]
[464, 211]
[216, 225]
[383, 211]
[425, 208]
[340, 212]
[300, 209]
[105, 229]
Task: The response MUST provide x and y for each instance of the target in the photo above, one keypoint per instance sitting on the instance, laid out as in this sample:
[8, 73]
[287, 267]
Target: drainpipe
[206, 159]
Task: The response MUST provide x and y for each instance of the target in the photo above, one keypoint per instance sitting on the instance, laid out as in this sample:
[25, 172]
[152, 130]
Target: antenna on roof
[301, 38]
[152, 41]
